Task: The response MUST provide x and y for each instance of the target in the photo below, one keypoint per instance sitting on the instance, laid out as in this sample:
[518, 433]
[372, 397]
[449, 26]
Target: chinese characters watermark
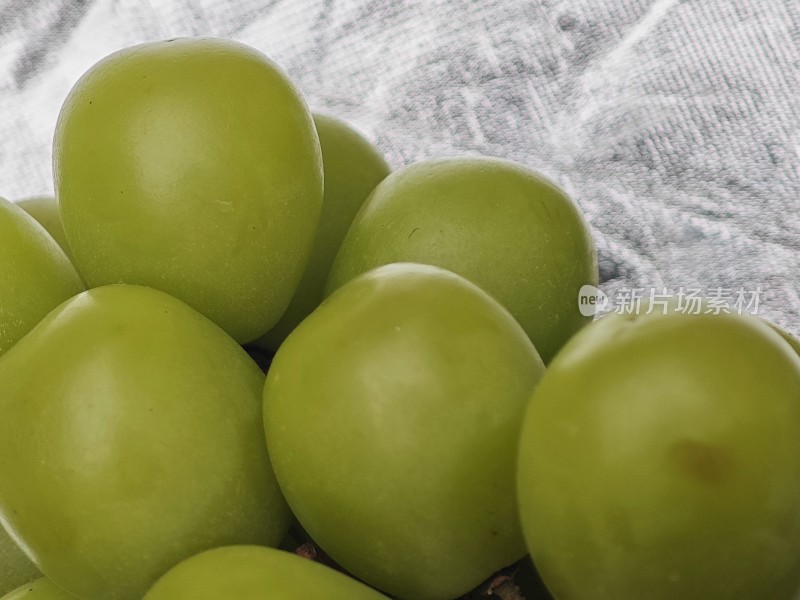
[687, 300]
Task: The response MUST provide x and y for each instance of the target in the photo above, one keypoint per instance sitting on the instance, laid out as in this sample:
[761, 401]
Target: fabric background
[675, 124]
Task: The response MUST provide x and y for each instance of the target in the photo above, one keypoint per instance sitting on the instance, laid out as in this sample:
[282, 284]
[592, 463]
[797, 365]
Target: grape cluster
[438, 418]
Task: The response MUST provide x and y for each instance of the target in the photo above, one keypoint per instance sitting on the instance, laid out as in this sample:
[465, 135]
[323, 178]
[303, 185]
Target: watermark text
[687, 300]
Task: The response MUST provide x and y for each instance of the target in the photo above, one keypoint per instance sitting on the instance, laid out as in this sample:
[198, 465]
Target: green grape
[660, 459]
[35, 274]
[253, 573]
[353, 167]
[41, 589]
[191, 166]
[492, 221]
[15, 568]
[142, 442]
[45, 210]
[392, 416]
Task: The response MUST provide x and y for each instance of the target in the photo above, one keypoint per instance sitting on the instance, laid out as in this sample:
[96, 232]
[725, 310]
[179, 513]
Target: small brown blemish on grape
[704, 462]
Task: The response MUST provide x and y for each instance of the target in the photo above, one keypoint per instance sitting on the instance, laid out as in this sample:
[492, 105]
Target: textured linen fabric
[674, 124]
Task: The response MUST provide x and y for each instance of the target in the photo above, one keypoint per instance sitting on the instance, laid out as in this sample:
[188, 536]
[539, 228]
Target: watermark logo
[634, 301]
[591, 301]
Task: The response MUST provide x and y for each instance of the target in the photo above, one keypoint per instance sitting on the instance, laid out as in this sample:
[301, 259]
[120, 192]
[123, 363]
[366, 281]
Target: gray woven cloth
[674, 124]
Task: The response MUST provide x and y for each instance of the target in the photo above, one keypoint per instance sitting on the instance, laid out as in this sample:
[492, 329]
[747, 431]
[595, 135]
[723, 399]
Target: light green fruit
[191, 166]
[131, 439]
[492, 221]
[45, 210]
[15, 568]
[392, 416]
[353, 167]
[35, 274]
[660, 459]
[253, 573]
[41, 589]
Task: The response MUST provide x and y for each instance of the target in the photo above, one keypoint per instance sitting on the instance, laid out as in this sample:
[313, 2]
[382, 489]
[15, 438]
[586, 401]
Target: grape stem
[504, 588]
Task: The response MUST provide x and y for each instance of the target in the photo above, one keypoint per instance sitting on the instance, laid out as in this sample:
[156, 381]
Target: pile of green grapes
[436, 410]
